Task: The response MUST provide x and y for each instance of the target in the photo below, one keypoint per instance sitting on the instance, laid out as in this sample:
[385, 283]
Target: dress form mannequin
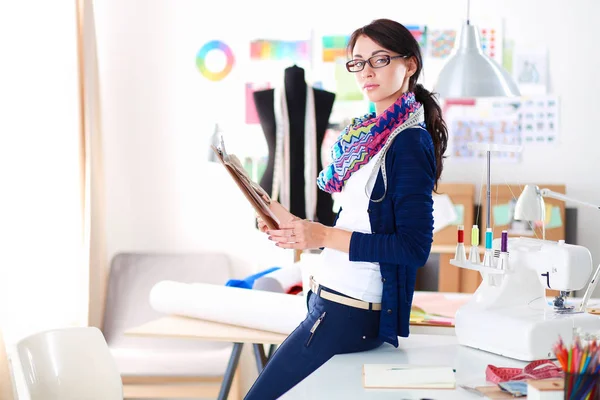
[296, 90]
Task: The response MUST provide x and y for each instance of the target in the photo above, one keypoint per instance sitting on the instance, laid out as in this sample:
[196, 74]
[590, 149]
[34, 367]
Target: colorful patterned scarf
[362, 139]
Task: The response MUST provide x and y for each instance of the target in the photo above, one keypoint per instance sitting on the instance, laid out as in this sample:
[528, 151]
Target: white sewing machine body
[509, 313]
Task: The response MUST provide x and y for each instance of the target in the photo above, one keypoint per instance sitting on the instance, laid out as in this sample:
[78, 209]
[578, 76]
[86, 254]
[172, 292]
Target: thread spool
[475, 236]
[504, 242]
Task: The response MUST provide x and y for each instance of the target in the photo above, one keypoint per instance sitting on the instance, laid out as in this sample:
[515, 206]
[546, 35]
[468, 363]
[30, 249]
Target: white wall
[157, 109]
[43, 277]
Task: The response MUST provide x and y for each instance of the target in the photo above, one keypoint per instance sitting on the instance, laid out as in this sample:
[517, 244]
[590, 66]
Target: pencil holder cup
[582, 386]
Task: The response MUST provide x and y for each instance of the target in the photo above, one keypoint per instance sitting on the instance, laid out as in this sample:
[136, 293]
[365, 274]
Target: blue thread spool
[488, 238]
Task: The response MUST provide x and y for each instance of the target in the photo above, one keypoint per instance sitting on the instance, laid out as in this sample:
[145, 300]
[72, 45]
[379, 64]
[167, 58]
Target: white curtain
[94, 215]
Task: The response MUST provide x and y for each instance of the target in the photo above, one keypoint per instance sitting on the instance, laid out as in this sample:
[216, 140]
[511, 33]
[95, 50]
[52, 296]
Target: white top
[361, 280]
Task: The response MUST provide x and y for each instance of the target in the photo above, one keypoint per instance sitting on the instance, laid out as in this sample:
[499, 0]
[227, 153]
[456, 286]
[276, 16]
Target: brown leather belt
[336, 298]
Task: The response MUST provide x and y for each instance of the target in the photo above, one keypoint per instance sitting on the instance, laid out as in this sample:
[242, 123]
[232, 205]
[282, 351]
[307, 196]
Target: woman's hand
[282, 214]
[299, 234]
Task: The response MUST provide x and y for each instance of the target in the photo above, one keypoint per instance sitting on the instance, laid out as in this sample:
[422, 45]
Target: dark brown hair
[395, 37]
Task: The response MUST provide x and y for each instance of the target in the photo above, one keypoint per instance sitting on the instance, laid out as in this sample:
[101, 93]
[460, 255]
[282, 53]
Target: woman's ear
[411, 66]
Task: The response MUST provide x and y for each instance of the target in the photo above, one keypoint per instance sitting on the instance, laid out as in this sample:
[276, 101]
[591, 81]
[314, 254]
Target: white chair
[69, 364]
[164, 367]
[7, 390]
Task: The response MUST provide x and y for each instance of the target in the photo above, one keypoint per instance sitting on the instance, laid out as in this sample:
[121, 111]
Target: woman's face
[382, 85]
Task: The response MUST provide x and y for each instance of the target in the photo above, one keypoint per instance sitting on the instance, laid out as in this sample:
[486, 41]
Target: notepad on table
[408, 376]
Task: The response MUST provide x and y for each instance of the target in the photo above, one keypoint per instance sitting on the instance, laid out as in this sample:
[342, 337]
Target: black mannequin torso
[295, 87]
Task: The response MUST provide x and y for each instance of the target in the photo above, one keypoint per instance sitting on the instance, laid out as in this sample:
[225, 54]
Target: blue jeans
[330, 328]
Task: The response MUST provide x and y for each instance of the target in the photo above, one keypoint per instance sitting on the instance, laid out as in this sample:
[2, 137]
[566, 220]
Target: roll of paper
[284, 280]
[257, 309]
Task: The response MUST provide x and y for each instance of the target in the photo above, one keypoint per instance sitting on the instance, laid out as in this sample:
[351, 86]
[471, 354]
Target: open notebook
[406, 376]
[253, 192]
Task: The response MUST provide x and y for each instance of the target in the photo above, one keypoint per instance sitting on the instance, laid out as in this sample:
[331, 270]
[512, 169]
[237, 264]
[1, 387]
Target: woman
[385, 167]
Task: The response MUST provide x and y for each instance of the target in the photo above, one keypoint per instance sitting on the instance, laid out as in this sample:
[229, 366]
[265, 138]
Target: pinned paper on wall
[441, 42]
[419, 32]
[334, 47]
[552, 217]
[555, 218]
[539, 119]
[444, 212]
[346, 87]
[501, 213]
[499, 130]
[491, 42]
[516, 121]
[459, 209]
[530, 70]
[292, 50]
[251, 114]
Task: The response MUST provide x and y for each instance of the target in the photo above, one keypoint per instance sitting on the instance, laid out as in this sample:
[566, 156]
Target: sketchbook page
[408, 376]
[257, 309]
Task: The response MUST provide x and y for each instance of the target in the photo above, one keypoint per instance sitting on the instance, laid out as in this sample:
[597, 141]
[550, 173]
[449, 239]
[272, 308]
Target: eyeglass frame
[368, 61]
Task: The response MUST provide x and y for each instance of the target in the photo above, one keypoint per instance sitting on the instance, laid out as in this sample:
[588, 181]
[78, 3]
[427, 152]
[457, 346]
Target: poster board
[503, 198]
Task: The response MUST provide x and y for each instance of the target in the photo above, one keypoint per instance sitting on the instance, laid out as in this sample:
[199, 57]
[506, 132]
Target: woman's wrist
[335, 238]
[326, 235]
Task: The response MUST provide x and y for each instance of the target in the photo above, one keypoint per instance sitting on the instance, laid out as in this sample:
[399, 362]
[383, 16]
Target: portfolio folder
[254, 193]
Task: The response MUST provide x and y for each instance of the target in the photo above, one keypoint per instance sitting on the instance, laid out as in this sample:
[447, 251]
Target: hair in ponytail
[436, 126]
[395, 37]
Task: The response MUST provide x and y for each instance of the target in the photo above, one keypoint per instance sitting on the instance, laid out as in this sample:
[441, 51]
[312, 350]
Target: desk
[193, 328]
[341, 377]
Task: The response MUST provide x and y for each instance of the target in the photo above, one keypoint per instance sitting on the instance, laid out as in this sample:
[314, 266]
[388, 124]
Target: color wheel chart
[203, 59]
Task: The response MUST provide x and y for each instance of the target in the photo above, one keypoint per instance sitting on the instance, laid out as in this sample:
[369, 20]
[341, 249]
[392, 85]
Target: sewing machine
[509, 313]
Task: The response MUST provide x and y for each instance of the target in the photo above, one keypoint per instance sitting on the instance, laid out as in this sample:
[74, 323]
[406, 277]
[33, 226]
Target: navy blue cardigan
[402, 226]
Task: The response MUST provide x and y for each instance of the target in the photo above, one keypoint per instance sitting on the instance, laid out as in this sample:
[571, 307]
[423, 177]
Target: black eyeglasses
[378, 61]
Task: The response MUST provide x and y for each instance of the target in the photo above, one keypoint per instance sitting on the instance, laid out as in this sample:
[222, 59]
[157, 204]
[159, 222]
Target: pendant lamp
[469, 72]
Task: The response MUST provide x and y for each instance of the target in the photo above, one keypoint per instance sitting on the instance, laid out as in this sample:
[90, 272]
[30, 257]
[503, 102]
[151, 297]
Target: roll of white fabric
[273, 312]
[281, 280]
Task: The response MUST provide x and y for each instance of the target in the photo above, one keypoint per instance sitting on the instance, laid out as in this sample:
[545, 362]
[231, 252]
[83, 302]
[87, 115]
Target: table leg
[272, 349]
[230, 371]
[261, 357]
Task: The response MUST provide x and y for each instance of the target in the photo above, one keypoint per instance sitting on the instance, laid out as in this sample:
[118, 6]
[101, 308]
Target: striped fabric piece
[361, 140]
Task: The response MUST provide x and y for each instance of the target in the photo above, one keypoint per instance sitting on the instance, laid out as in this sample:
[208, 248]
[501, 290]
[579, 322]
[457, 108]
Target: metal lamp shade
[469, 72]
[530, 205]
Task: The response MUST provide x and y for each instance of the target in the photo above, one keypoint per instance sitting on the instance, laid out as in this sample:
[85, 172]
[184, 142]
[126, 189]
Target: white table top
[341, 377]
